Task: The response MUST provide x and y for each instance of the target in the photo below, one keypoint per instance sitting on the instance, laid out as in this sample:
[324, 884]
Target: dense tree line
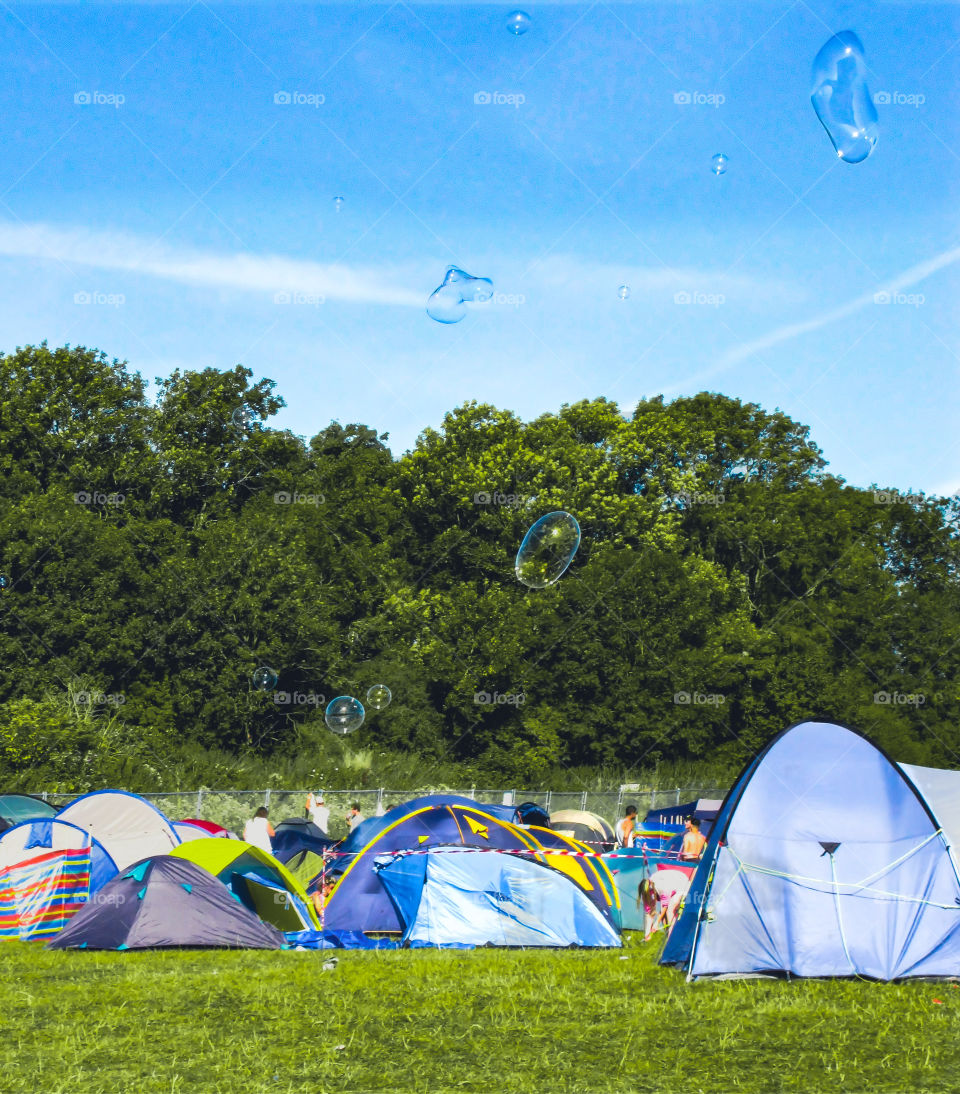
[155, 552]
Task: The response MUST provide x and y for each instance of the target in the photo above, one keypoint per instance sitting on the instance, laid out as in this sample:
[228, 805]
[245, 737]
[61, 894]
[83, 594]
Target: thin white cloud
[242, 271]
[788, 332]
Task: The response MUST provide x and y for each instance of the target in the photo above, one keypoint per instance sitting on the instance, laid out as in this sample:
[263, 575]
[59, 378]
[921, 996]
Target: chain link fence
[233, 808]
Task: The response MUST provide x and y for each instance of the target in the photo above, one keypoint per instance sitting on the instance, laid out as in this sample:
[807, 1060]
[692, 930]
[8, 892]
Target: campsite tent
[15, 808]
[298, 834]
[207, 828]
[462, 897]
[31, 838]
[629, 866]
[130, 828]
[824, 861]
[165, 901]
[39, 894]
[588, 828]
[360, 903]
[261, 883]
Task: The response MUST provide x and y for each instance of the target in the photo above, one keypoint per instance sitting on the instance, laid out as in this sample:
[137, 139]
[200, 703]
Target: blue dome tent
[825, 860]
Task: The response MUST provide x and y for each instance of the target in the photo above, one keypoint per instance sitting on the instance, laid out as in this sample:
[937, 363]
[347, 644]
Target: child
[649, 899]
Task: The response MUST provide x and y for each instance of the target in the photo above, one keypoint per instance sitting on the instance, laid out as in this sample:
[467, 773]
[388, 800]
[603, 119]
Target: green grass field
[489, 1021]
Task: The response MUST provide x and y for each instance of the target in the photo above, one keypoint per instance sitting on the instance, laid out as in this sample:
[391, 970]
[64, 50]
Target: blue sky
[193, 224]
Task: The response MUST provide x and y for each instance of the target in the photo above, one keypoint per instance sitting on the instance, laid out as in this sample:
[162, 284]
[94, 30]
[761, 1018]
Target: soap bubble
[344, 714]
[448, 303]
[378, 697]
[338, 202]
[719, 163]
[265, 678]
[547, 550]
[518, 22]
[623, 292]
[842, 99]
[243, 418]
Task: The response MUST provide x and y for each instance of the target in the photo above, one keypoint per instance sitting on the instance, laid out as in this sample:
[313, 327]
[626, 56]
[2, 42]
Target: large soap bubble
[344, 714]
[378, 697]
[842, 99]
[547, 550]
[518, 22]
[719, 164]
[448, 303]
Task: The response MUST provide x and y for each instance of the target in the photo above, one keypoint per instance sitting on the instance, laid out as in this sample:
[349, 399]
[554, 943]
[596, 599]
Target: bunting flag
[38, 896]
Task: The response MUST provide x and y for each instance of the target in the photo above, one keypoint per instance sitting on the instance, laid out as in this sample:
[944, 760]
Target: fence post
[200, 805]
[473, 793]
[583, 801]
[549, 798]
[266, 798]
[44, 795]
[380, 802]
[653, 798]
[619, 800]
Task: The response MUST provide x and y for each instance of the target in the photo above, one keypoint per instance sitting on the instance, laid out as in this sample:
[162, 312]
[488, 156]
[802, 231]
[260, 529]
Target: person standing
[318, 811]
[627, 827]
[258, 831]
[354, 817]
[694, 841]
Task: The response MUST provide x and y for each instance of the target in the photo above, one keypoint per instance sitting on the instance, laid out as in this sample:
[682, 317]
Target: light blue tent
[825, 860]
[463, 897]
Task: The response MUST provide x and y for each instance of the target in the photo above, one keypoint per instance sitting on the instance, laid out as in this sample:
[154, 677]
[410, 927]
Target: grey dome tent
[164, 901]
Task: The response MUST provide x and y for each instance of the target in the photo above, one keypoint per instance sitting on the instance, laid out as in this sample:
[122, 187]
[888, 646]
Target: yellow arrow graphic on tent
[477, 828]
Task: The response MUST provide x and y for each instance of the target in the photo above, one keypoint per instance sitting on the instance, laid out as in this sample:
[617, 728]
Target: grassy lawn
[486, 1021]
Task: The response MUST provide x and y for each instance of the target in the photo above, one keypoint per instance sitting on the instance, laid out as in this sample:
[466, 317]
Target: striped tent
[38, 896]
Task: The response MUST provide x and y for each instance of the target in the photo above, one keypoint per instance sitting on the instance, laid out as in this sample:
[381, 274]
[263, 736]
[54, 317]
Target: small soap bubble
[623, 292]
[344, 714]
[378, 697]
[719, 163]
[547, 550]
[841, 98]
[338, 203]
[518, 22]
[448, 303]
[265, 678]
